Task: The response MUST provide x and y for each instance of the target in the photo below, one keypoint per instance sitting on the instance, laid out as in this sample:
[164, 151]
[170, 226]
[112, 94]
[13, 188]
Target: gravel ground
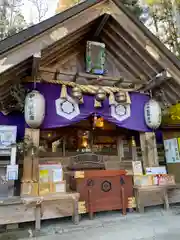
[154, 224]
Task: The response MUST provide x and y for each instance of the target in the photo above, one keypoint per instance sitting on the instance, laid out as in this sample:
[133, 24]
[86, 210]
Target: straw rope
[92, 89]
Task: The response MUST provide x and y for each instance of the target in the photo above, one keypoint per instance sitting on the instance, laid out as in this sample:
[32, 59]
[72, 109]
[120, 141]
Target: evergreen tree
[134, 7]
[165, 15]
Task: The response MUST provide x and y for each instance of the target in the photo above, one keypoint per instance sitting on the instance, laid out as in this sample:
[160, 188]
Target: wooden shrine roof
[137, 53]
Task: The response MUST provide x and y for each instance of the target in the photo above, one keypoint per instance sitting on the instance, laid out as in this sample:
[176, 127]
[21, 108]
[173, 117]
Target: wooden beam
[155, 82]
[101, 26]
[35, 66]
[81, 74]
[36, 44]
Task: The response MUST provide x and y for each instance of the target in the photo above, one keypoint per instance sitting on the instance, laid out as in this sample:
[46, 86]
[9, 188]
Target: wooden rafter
[121, 59]
[134, 64]
[135, 46]
[68, 49]
[122, 68]
[101, 26]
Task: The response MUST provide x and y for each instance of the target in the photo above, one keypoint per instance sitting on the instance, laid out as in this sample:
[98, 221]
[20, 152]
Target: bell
[100, 95]
[120, 97]
[76, 93]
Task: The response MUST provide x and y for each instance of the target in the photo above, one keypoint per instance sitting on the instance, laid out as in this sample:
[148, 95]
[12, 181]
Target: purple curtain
[52, 120]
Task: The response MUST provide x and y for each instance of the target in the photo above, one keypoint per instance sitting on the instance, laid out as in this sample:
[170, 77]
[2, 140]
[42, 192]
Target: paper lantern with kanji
[34, 110]
[152, 114]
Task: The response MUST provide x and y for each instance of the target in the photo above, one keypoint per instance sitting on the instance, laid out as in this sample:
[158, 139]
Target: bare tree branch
[41, 8]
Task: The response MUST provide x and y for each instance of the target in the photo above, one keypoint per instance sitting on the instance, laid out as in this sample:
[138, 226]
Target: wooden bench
[26, 209]
[152, 196]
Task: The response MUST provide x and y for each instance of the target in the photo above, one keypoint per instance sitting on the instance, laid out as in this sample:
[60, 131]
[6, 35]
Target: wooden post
[133, 148]
[30, 164]
[38, 217]
[120, 149]
[35, 140]
[149, 149]
[64, 146]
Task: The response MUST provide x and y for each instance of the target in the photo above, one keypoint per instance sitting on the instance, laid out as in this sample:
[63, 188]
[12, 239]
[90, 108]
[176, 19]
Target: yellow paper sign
[81, 207]
[172, 115]
[44, 175]
[79, 174]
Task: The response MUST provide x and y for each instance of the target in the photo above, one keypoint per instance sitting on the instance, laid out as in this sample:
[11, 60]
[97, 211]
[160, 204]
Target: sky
[29, 11]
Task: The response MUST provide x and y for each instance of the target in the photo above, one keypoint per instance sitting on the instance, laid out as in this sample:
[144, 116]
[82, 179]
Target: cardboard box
[50, 173]
[166, 180]
[143, 181]
[51, 188]
[29, 189]
[59, 187]
[44, 189]
[155, 170]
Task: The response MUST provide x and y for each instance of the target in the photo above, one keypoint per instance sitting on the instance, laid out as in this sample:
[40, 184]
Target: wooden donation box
[102, 190]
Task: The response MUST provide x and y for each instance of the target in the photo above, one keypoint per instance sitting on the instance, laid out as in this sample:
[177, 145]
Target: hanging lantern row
[34, 110]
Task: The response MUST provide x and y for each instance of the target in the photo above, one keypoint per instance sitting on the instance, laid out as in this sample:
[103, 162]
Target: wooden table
[26, 209]
[151, 196]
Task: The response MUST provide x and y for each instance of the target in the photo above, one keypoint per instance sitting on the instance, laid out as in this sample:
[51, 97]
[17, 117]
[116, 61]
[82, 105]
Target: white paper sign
[12, 172]
[137, 168]
[57, 175]
[156, 170]
[60, 187]
[171, 150]
[7, 135]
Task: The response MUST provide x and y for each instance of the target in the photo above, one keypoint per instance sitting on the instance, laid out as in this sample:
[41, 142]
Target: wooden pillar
[120, 149]
[35, 140]
[149, 149]
[133, 148]
[64, 146]
[31, 161]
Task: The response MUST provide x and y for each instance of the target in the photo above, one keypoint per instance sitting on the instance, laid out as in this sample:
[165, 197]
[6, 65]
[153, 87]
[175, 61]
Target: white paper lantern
[152, 114]
[34, 110]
